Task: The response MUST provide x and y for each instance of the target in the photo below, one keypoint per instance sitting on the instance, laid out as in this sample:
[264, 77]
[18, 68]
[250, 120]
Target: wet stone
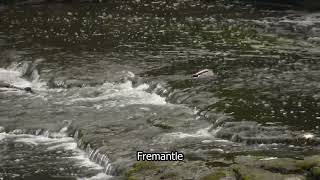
[310, 161]
[167, 170]
[220, 175]
[281, 165]
[251, 132]
[163, 124]
[249, 173]
[219, 163]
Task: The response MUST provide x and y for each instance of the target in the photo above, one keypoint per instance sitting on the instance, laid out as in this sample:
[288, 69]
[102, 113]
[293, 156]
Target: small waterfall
[94, 154]
[99, 158]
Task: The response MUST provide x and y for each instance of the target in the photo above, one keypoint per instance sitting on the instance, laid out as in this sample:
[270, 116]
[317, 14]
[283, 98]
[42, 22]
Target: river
[110, 79]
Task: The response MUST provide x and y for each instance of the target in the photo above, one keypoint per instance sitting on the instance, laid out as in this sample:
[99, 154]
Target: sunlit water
[111, 79]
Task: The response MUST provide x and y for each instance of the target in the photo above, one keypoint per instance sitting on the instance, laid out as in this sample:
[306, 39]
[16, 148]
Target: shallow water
[114, 78]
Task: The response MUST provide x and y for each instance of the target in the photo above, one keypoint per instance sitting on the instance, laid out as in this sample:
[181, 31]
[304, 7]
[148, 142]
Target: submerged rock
[251, 132]
[73, 83]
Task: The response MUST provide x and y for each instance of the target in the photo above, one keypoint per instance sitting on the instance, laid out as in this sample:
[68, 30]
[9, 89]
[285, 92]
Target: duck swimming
[205, 73]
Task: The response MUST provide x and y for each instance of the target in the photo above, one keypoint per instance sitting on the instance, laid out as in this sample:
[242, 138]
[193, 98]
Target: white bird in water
[205, 73]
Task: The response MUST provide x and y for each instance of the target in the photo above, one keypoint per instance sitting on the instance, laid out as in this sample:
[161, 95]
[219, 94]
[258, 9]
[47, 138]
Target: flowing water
[110, 79]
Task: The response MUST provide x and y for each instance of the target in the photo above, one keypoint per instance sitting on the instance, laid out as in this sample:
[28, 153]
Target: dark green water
[264, 98]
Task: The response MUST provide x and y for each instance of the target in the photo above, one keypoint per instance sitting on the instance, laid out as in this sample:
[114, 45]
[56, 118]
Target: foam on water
[302, 19]
[308, 135]
[2, 136]
[13, 78]
[268, 158]
[119, 95]
[201, 133]
[13, 75]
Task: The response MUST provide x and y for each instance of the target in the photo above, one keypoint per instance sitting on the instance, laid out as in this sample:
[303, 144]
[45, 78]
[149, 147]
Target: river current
[110, 79]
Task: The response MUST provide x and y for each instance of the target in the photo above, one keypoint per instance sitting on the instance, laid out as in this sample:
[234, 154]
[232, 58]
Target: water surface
[114, 78]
